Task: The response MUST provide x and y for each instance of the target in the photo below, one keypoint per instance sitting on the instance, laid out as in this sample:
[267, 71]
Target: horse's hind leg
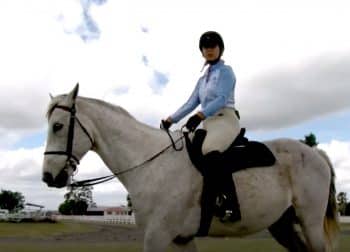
[283, 231]
[310, 208]
[310, 182]
[314, 235]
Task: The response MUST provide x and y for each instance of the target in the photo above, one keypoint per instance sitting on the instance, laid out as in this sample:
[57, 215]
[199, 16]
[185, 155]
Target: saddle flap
[253, 154]
[242, 153]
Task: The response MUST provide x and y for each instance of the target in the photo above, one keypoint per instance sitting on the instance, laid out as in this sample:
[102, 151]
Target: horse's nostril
[47, 178]
[61, 179]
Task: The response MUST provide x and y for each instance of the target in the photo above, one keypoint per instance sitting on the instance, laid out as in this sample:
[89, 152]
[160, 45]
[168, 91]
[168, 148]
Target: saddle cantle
[241, 154]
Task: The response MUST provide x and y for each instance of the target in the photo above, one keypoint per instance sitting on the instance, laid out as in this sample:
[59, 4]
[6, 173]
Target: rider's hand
[194, 121]
[165, 124]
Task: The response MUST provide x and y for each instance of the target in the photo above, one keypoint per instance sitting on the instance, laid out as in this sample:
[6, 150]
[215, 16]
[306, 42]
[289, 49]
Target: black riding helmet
[211, 39]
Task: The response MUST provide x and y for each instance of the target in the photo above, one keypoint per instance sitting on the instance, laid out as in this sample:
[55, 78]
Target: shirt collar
[216, 66]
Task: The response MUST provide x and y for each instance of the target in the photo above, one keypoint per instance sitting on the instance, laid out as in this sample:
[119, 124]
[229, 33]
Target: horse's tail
[331, 220]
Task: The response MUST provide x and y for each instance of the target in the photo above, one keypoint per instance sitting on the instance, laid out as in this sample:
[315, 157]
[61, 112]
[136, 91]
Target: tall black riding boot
[210, 191]
[231, 203]
[207, 207]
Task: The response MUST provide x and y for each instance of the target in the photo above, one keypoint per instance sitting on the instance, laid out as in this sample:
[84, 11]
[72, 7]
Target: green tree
[66, 208]
[342, 202]
[72, 207]
[12, 201]
[81, 194]
[77, 200]
[310, 140]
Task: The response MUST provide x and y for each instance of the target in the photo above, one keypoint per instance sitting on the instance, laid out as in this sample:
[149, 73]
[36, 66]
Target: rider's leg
[222, 129]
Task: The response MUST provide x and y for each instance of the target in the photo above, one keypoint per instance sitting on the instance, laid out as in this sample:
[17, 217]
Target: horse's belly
[237, 229]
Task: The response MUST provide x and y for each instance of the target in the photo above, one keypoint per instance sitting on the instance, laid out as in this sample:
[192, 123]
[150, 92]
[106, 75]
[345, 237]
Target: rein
[99, 180]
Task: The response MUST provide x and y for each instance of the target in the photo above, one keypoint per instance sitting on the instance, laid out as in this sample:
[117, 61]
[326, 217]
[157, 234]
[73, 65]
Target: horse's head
[67, 140]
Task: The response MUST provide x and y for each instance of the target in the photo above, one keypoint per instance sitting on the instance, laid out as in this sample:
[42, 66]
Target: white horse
[166, 190]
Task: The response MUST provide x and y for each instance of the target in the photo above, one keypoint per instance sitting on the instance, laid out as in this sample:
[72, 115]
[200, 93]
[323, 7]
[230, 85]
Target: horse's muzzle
[59, 182]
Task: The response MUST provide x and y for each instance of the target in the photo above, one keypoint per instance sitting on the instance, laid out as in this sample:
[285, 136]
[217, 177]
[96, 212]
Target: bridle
[71, 158]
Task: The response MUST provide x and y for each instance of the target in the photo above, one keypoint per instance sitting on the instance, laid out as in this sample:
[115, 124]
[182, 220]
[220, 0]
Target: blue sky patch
[145, 60]
[121, 90]
[144, 29]
[158, 81]
[88, 30]
[331, 127]
[31, 141]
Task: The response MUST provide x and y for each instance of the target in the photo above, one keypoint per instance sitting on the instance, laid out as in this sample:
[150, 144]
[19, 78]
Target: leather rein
[73, 160]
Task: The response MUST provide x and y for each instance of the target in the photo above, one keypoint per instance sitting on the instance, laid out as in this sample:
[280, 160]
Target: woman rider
[215, 92]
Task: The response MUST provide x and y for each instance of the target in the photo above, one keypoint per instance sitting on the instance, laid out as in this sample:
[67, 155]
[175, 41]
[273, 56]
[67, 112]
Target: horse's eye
[57, 126]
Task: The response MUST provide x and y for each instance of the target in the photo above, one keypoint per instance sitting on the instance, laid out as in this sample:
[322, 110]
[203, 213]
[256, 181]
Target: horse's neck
[121, 141]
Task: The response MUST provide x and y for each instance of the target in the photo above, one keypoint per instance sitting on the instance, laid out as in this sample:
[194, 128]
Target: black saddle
[242, 153]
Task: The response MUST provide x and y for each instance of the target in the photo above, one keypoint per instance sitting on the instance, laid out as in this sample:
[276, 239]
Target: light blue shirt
[214, 91]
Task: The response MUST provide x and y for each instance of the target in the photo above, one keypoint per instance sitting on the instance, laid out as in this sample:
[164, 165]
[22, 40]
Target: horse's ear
[51, 96]
[75, 91]
[73, 94]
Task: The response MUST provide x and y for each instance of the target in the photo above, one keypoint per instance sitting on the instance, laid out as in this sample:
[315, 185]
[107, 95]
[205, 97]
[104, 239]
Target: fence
[127, 219]
[106, 219]
[25, 216]
[344, 219]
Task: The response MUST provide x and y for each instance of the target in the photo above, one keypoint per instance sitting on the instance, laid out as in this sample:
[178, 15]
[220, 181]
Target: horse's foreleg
[156, 240]
[189, 247]
[159, 235]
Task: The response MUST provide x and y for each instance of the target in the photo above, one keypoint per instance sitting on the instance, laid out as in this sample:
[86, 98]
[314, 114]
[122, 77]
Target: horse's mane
[56, 100]
[109, 105]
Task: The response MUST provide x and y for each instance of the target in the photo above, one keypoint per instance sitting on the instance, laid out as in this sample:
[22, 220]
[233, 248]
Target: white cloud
[292, 94]
[265, 55]
[21, 171]
[339, 153]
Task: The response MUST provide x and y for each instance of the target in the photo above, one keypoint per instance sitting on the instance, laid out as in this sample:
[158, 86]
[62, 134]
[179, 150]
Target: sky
[291, 60]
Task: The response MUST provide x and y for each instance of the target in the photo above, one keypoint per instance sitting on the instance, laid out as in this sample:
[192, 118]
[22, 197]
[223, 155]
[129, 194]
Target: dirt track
[103, 233]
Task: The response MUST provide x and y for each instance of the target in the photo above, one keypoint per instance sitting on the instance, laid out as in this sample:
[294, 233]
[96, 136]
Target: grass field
[14, 238]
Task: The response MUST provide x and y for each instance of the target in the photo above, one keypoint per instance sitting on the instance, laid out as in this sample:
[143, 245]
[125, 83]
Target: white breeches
[222, 128]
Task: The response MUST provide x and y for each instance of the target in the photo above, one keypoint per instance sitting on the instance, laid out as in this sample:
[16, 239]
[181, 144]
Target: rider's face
[211, 54]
